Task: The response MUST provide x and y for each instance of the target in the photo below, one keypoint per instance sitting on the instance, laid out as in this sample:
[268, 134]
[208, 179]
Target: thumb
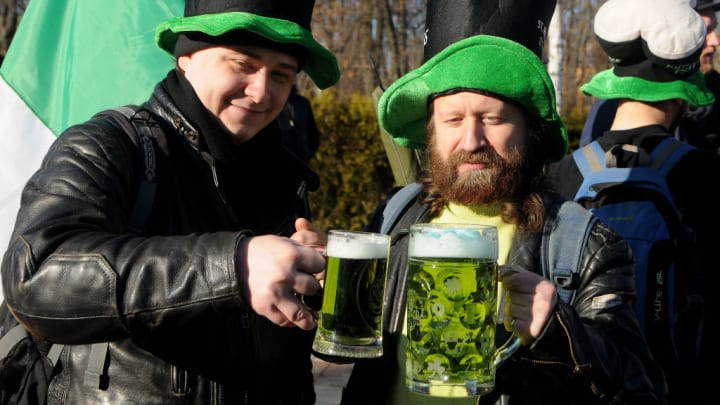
[303, 224]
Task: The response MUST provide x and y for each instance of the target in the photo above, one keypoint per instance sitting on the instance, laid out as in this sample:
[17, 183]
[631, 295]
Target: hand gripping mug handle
[507, 349]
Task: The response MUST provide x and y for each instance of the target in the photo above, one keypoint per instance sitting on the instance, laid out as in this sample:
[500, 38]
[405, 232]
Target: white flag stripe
[24, 139]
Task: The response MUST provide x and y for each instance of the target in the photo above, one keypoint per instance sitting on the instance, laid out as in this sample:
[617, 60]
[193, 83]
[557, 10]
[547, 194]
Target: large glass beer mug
[452, 310]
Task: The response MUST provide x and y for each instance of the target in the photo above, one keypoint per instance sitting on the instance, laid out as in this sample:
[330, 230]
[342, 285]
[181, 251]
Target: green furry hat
[284, 22]
[491, 46]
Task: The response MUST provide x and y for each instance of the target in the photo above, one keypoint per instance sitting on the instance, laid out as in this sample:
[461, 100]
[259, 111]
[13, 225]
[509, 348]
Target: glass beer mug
[350, 323]
[452, 310]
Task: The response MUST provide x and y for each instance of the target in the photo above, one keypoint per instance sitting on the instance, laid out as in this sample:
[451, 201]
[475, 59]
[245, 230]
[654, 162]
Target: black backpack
[27, 363]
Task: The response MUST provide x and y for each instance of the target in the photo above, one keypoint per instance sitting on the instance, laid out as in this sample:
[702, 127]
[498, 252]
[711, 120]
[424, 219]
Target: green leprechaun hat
[493, 46]
[274, 21]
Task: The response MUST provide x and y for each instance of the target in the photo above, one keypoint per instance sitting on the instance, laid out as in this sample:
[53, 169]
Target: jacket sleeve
[72, 273]
[599, 338]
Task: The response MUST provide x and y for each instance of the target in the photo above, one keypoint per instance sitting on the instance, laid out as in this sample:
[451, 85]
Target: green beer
[350, 322]
[451, 309]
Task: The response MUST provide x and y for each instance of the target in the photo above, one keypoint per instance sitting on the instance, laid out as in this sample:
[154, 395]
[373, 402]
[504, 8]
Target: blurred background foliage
[351, 160]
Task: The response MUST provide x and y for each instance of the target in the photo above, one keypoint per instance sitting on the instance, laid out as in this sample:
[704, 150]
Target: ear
[182, 62]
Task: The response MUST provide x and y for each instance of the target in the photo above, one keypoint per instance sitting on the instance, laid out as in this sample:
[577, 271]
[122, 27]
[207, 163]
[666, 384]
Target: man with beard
[491, 128]
[654, 93]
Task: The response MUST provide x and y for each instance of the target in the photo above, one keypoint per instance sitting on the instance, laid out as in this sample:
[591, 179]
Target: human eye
[452, 120]
[283, 76]
[492, 119]
[244, 65]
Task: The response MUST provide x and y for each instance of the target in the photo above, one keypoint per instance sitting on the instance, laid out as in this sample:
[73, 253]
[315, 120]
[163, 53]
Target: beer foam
[453, 242]
[353, 247]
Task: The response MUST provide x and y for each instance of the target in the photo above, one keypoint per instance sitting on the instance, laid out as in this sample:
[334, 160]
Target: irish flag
[68, 60]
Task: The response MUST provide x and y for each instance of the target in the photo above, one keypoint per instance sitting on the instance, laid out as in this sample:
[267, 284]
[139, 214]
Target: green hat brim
[321, 65]
[482, 62]
[608, 85]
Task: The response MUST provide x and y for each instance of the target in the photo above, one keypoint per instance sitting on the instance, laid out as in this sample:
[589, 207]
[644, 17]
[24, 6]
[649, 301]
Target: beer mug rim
[440, 249]
[377, 235]
[450, 225]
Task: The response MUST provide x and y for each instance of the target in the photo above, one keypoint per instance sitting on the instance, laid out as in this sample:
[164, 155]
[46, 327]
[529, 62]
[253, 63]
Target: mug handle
[507, 349]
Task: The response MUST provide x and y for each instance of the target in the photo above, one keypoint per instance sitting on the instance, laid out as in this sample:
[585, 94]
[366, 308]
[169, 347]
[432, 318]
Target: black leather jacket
[589, 353]
[168, 301]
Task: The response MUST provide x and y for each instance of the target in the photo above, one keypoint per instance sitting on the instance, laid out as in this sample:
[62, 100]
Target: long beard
[501, 179]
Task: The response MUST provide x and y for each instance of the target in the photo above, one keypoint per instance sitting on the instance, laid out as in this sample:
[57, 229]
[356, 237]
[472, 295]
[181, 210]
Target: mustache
[487, 157]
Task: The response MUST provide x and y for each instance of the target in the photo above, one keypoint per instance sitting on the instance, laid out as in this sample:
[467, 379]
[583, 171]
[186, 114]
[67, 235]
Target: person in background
[490, 129]
[300, 131]
[699, 126]
[204, 306]
[653, 94]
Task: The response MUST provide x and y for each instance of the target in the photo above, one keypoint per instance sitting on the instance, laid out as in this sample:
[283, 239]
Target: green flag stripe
[70, 59]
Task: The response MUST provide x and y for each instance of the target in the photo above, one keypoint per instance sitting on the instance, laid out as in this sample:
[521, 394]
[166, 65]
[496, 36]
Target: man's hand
[531, 300]
[274, 271]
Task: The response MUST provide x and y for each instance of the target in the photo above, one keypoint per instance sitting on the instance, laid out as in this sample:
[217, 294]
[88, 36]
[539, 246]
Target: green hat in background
[285, 22]
[492, 46]
[654, 46]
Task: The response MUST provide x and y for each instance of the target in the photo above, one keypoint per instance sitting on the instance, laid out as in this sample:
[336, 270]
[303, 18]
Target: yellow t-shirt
[486, 215]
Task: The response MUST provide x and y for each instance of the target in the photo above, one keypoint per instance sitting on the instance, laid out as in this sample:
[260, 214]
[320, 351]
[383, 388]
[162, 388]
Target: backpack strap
[667, 154]
[10, 339]
[397, 204]
[564, 240]
[592, 161]
[146, 193]
[96, 372]
[18, 333]
[400, 212]
[54, 353]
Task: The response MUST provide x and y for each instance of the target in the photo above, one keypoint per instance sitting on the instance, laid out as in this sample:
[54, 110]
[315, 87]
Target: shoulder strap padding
[397, 204]
[146, 192]
[597, 167]
[563, 243]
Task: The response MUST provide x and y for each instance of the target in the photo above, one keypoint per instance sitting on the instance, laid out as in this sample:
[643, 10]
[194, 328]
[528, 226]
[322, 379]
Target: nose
[257, 86]
[712, 39]
[473, 137]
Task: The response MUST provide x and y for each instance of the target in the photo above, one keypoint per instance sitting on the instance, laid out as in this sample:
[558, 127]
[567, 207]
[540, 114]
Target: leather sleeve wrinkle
[71, 225]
